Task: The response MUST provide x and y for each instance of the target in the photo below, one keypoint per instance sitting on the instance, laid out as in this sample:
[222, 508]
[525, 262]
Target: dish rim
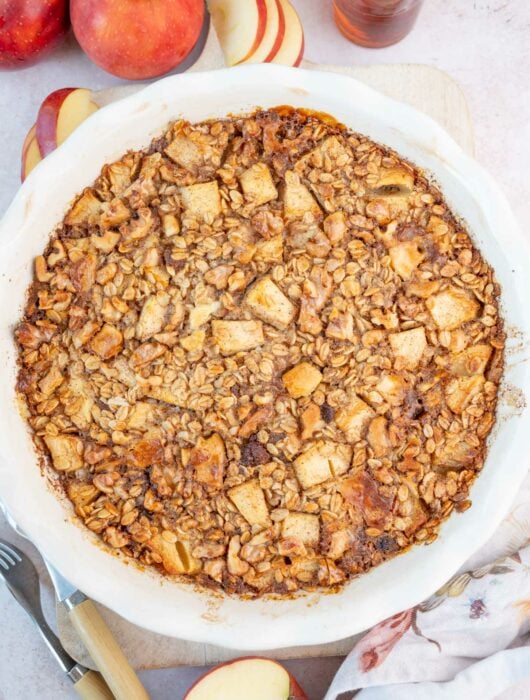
[451, 157]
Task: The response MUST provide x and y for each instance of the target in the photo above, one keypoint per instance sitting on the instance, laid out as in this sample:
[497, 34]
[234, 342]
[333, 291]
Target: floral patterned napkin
[471, 639]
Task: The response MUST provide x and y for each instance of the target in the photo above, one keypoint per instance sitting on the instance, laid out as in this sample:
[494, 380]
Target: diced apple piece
[297, 199]
[140, 416]
[236, 336]
[322, 461]
[377, 436]
[194, 341]
[108, 342]
[409, 346]
[208, 457]
[267, 301]
[405, 258]
[302, 379]
[119, 176]
[311, 421]
[250, 501]
[185, 152]
[105, 243]
[31, 155]
[257, 184]
[269, 251]
[51, 381]
[114, 213]
[201, 200]
[196, 151]
[66, 452]
[340, 541]
[354, 418]
[361, 491]
[423, 288]
[60, 114]
[302, 526]
[161, 393]
[273, 36]
[392, 389]
[455, 453]
[145, 354]
[460, 392]
[335, 227]
[291, 51]
[170, 225]
[152, 316]
[84, 209]
[256, 420]
[250, 678]
[176, 556]
[315, 293]
[240, 26]
[471, 361]
[138, 228]
[452, 307]
[80, 401]
[340, 325]
[396, 179]
[201, 314]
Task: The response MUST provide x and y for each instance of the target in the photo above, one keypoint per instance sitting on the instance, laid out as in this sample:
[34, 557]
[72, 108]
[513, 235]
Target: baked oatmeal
[262, 354]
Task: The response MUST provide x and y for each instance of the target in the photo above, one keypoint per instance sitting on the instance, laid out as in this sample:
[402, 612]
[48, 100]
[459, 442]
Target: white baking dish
[177, 609]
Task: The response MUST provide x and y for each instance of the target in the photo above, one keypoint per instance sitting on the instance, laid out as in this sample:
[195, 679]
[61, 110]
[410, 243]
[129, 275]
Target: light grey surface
[483, 44]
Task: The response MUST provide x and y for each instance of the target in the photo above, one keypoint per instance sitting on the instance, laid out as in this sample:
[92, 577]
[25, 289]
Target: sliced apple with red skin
[291, 51]
[281, 33]
[273, 36]
[60, 114]
[249, 678]
[31, 155]
[240, 26]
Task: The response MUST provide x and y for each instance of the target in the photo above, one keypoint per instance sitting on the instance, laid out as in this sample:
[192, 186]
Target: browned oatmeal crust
[262, 354]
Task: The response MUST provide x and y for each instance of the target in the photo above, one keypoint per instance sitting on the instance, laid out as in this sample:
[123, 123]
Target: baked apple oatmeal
[262, 354]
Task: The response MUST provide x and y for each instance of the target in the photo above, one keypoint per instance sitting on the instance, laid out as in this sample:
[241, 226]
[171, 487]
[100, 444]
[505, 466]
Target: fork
[22, 580]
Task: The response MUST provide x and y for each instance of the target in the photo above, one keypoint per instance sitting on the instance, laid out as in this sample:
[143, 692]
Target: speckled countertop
[483, 44]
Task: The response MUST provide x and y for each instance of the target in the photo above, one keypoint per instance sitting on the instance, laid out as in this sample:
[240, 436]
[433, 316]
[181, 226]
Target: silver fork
[22, 580]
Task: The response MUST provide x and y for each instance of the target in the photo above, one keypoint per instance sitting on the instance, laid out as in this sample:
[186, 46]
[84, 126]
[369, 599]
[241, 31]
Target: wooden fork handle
[105, 652]
[92, 686]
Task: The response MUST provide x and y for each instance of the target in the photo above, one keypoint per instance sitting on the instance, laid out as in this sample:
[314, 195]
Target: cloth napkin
[470, 640]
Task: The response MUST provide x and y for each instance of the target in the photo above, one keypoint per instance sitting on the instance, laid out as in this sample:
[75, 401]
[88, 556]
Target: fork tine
[7, 558]
[5, 565]
[10, 552]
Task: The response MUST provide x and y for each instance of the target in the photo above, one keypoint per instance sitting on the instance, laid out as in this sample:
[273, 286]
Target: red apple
[29, 29]
[273, 36]
[31, 154]
[240, 26]
[137, 39]
[60, 113]
[249, 678]
[291, 52]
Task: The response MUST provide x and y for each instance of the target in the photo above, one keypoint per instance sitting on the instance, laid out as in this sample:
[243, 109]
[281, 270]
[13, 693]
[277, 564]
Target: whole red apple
[29, 29]
[137, 39]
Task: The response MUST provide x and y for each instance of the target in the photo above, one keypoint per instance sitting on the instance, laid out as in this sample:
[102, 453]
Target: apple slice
[60, 113]
[240, 26]
[273, 36]
[248, 678]
[291, 51]
[31, 155]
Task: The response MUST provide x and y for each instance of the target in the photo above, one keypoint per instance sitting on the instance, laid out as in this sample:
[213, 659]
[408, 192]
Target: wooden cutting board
[429, 90]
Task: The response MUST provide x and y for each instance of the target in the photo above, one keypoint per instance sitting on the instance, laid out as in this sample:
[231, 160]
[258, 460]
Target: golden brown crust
[262, 354]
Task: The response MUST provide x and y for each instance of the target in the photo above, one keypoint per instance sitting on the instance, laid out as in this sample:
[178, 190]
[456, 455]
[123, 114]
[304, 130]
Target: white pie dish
[177, 609]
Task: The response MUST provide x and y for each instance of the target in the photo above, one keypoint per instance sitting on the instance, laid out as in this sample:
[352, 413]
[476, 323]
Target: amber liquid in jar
[376, 23]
